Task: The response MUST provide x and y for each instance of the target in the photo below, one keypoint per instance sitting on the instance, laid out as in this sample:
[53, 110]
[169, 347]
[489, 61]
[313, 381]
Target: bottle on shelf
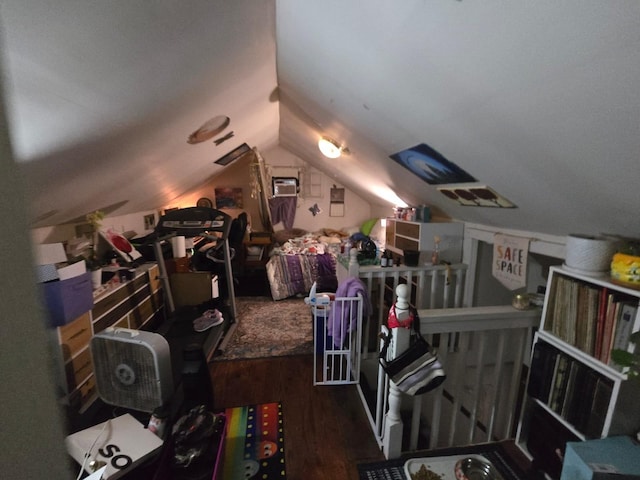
[383, 259]
[347, 247]
[435, 255]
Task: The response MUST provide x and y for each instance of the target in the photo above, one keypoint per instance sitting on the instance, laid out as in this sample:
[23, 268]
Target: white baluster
[353, 262]
[392, 442]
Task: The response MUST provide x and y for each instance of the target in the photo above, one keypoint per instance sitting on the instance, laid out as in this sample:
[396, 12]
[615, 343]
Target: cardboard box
[613, 458]
[49, 253]
[122, 443]
[46, 273]
[193, 288]
[72, 270]
[178, 265]
[66, 300]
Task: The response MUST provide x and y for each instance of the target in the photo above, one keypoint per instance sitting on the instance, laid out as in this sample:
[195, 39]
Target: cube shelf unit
[574, 391]
[401, 235]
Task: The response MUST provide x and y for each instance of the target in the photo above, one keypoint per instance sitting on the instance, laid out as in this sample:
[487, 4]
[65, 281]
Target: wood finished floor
[326, 429]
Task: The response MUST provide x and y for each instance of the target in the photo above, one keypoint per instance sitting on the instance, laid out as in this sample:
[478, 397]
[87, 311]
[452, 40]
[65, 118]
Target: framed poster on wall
[336, 205]
[229, 197]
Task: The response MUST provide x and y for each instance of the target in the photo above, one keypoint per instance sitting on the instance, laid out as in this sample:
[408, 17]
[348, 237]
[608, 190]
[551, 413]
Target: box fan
[132, 368]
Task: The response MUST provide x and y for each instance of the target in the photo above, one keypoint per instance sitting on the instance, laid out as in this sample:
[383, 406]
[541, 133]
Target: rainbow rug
[254, 444]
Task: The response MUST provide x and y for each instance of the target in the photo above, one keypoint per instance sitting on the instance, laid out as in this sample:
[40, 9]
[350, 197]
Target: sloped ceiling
[538, 100]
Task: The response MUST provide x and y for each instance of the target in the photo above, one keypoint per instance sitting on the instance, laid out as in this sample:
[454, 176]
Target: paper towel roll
[589, 254]
[179, 247]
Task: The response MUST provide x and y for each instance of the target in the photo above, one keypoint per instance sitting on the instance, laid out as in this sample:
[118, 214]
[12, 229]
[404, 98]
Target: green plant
[95, 220]
[629, 359]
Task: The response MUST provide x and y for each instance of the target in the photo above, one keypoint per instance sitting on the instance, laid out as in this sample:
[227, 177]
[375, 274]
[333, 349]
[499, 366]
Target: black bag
[417, 370]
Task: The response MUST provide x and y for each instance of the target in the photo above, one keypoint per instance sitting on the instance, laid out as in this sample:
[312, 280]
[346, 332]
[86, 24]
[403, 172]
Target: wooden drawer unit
[143, 312]
[408, 229]
[390, 232]
[137, 303]
[403, 235]
[128, 303]
[402, 243]
[81, 398]
[154, 278]
[121, 294]
[74, 336]
[78, 369]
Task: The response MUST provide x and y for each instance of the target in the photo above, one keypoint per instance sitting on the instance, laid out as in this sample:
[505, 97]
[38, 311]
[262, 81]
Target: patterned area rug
[269, 328]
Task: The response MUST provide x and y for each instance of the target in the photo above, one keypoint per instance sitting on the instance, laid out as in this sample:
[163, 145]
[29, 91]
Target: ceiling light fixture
[329, 147]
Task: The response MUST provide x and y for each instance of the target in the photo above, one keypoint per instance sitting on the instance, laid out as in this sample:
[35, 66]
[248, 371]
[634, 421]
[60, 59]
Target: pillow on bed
[331, 232]
[351, 230]
[367, 226]
[329, 240]
[282, 236]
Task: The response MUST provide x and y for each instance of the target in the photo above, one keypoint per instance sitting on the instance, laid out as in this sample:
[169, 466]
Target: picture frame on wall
[431, 166]
[227, 197]
[336, 205]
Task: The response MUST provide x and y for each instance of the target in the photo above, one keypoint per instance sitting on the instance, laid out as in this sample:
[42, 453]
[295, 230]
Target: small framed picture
[229, 198]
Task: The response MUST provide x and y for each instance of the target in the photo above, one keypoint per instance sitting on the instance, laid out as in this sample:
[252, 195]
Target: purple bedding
[291, 275]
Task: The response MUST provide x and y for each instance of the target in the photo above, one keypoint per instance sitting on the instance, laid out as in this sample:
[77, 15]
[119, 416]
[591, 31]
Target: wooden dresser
[137, 303]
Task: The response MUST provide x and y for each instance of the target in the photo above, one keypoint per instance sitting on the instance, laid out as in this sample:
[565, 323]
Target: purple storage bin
[66, 300]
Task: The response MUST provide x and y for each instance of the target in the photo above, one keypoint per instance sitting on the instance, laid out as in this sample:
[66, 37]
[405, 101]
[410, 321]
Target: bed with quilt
[300, 258]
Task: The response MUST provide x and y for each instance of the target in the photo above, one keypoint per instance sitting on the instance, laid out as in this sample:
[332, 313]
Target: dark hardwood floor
[326, 429]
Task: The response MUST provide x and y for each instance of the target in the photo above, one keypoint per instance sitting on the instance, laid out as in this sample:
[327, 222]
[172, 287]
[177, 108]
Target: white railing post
[392, 438]
[353, 262]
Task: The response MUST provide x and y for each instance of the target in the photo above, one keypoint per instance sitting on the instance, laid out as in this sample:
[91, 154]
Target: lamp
[329, 147]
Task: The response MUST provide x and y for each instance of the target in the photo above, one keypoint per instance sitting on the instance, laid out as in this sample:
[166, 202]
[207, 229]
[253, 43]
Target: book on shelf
[583, 401]
[543, 364]
[572, 387]
[624, 325]
[602, 313]
[573, 410]
[609, 325]
[559, 384]
[552, 305]
[599, 408]
[587, 316]
[593, 299]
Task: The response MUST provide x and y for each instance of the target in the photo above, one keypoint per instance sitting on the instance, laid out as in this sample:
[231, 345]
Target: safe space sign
[510, 260]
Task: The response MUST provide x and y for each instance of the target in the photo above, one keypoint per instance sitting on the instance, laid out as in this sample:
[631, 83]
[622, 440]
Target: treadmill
[215, 226]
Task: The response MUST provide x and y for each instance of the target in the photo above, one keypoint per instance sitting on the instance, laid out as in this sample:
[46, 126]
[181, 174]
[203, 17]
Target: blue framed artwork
[431, 166]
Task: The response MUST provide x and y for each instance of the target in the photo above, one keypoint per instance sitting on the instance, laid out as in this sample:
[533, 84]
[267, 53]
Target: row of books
[592, 318]
[577, 393]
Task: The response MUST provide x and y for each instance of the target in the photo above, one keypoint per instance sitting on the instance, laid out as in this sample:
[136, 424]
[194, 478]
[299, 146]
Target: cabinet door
[390, 233]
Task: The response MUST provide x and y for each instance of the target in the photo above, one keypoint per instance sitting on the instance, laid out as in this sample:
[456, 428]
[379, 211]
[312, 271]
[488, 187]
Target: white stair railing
[482, 350]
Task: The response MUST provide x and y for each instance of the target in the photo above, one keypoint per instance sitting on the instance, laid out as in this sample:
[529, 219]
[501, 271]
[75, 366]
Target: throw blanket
[343, 316]
[291, 275]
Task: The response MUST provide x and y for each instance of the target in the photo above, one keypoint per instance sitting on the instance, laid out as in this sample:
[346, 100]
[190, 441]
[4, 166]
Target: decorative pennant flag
[510, 260]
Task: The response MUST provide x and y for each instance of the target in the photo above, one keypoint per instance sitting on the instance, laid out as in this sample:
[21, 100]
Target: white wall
[356, 210]
[133, 222]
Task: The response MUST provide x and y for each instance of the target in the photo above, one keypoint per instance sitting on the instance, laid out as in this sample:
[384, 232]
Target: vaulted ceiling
[538, 100]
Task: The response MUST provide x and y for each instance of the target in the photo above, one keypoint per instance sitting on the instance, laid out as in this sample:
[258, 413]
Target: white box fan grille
[132, 368]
